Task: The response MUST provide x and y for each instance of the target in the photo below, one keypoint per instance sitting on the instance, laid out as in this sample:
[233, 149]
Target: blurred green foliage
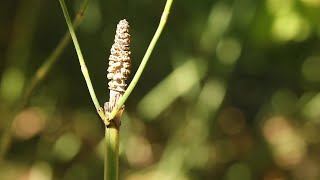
[231, 91]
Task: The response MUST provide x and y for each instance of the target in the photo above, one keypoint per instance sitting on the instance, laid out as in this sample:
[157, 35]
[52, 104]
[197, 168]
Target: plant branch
[83, 66]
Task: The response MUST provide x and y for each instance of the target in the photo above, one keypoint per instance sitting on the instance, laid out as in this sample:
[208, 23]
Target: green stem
[145, 59]
[82, 63]
[111, 163]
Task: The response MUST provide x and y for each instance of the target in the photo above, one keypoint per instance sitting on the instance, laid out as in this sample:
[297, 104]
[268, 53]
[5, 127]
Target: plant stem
[111, 163]
[82, 63]
[145, 59]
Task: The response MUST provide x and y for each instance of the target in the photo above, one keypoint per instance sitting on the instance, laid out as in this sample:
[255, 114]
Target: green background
[231, 91]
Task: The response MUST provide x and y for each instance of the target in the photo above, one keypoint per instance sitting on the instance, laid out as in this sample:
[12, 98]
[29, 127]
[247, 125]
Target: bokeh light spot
[11, 84]
[215, 90]
[310, 69]
[228, 50]
[28, 123]
[41, 171]
[178, 83]
[218, 21]
[139, 152]
[287, 145]
[279, 7]
[290, 26]
[311, 109]
[66, 147]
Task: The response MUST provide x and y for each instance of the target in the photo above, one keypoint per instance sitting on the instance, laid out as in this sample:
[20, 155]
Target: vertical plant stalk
[118, 72]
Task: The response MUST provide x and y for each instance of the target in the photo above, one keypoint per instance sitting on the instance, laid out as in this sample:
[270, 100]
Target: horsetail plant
[118, 71]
